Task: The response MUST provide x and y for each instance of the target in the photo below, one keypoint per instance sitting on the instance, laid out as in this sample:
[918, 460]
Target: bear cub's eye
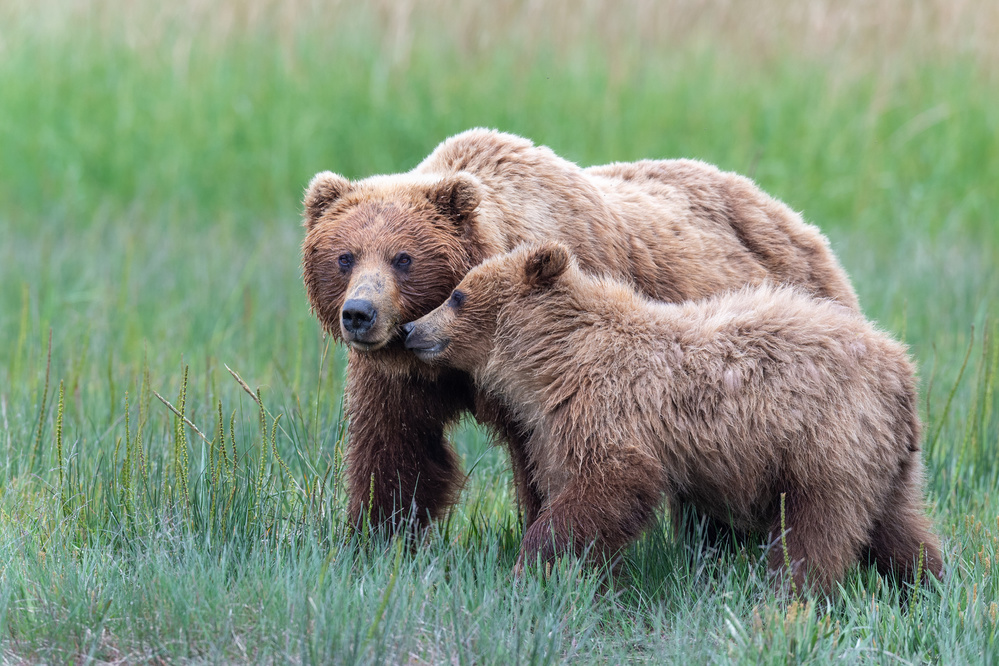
[345, 260]
[402, 260]
[457, 298]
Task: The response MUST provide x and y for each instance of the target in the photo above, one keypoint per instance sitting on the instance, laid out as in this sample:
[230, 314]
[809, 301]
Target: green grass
[150, 181]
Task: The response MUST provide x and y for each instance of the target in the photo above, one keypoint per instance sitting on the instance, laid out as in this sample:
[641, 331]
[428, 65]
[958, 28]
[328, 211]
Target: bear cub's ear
[456, 197]
[545, 264]
[323, 191]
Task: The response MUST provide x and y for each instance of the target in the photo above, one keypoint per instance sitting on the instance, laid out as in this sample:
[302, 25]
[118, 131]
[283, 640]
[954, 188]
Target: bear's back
[677, 229]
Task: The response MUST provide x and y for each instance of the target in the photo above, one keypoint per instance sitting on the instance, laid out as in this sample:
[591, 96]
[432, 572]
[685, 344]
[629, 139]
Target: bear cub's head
[462, 331]
[385, 250]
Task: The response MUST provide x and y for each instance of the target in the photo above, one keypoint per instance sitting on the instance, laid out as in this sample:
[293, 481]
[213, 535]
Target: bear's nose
[358, 316]
[407, 328]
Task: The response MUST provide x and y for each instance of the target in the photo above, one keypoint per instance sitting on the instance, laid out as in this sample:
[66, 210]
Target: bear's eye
[402, 260]
[457, 298]
[345, 260]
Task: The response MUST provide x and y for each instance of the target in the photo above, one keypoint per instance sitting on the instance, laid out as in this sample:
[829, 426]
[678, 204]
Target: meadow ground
[152, 160]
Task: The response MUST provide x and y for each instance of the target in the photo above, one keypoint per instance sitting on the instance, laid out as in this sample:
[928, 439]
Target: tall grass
[152, 159]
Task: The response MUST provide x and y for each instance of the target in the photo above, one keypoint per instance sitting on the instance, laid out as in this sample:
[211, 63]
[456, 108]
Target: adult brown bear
[386, 250]
[769, 410]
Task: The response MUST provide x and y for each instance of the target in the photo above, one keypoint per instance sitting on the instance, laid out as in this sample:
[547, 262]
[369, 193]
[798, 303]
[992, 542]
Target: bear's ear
[545, 264]
[323, 191]
[456, 197]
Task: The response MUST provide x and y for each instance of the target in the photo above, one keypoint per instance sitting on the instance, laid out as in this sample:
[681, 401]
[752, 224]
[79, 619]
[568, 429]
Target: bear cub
[739, 405]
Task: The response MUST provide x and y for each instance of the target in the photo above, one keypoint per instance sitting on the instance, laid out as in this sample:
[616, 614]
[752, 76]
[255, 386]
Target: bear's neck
[546, 348]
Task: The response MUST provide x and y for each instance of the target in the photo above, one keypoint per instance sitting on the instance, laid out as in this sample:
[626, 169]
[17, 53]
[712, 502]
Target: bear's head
[385, 250]
[462, 331]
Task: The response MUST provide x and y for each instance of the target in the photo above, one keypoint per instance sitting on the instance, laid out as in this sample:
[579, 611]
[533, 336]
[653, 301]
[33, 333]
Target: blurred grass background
[152, 161]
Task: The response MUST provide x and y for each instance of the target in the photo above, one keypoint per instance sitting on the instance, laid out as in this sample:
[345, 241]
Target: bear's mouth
[371, 341]
[361, 346]
[430, 352]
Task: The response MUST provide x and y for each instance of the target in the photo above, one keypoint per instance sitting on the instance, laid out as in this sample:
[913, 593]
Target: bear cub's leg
[902, 535]
[822, 536]
[604, 514]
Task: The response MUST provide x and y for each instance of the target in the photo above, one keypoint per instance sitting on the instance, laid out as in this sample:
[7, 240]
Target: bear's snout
[422, 342]
[358, 316]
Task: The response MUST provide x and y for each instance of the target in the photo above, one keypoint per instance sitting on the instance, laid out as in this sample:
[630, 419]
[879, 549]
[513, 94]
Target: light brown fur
[675, 229]
[726, 403]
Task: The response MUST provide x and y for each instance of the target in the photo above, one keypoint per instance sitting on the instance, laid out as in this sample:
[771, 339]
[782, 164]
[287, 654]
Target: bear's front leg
[399, 464]
[603, 513]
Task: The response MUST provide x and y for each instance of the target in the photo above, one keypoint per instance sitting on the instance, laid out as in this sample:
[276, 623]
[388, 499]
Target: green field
[152, 162]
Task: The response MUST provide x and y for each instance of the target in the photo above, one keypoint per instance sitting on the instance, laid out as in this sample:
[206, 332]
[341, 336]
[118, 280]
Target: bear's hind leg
[903, 534]
[821, 537]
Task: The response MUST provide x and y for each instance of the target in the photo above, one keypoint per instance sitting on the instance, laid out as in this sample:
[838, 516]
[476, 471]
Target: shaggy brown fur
[728, 403]
[388, 249]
